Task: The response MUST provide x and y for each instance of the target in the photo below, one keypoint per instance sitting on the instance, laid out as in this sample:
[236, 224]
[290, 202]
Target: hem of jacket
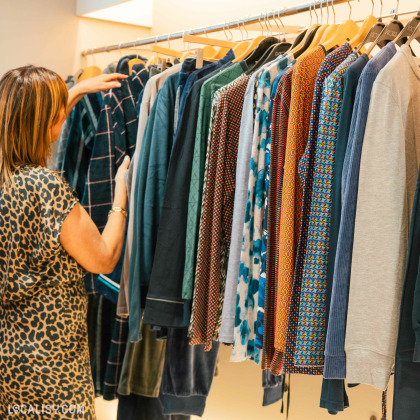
[225, 339]
[139, 390]
[335, 367]
[227, 328]
[272, 395]
[163, 313]
[192, 405]
[123, 312]
[333, 407]
[369, 367]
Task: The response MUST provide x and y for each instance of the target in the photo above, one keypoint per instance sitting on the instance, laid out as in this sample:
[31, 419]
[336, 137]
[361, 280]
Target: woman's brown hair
[31, 99]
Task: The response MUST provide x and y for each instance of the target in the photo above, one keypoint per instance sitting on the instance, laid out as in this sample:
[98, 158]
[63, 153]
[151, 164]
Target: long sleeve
[380, 245]
[216, 216]
[336, 366]
[148, 197]
[241, 188]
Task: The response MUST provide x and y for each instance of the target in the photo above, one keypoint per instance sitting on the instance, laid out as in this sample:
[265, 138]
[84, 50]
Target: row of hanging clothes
[271, 190]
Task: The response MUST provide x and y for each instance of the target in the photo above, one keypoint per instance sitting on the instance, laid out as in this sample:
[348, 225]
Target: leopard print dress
[44, 357]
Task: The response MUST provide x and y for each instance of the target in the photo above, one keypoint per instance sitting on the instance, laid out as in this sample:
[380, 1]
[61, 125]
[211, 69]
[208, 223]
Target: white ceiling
[134, 12]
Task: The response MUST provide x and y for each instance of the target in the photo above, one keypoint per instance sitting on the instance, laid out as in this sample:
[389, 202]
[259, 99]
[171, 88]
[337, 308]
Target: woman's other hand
[120, 197]
[101, 83]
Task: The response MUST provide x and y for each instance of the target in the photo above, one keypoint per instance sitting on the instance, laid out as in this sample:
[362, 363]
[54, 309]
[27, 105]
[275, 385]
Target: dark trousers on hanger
[407, 373]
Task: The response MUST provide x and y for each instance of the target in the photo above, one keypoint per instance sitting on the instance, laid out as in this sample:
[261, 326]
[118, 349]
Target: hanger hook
[135, 47]
[380, 13]
[205, 33]
[373, 7]
[246, 31]
[310, 14]
[169, 43]
[269, 21]
[332, 7]
[262, 29]
[316, 14]
[320, 10]
[328, 13]
[396, 10]
[240, 30]
[231, 34]
[276, 22]
[348, 2]
[266, 24]
[284, 28]
[119, 47]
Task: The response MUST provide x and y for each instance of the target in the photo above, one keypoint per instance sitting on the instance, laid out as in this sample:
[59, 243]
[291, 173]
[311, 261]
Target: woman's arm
[100, 83]
[81, 238]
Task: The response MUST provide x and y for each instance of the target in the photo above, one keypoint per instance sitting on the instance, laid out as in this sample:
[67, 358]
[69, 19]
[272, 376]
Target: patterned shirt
[216, 213]
[303, 83]
[115, 138]
[280, 116]
[310, 339]
[79, 144]
[263, 182]
[241, 190]
[207, 92]
[250, 261]
[306, 173]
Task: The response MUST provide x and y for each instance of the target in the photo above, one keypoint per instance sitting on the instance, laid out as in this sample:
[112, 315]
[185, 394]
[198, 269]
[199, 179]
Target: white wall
[48, 33]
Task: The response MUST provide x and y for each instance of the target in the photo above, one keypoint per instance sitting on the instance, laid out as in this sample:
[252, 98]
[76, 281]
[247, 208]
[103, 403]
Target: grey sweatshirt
[387, 181]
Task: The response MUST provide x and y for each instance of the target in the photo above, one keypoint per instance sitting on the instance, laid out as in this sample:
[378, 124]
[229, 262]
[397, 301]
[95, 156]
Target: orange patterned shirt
[303, 82]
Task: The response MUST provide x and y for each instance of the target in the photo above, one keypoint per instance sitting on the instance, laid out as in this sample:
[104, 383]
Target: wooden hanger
[409, 29]
[414, 35]
[135, 61]
[166, 51]
[344, 33]
[89, 71]
[307, 42]
[209, 41]
[258, 53]
[253, 45]
[372, 35]
[319, 33]
[309, 35]
[364, 29]
[242, 45]
[389, 33]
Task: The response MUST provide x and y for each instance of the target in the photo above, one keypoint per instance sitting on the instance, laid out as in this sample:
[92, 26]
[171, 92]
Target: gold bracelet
[117, 209]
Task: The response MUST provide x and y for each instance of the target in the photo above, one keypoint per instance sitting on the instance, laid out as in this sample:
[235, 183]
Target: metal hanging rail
[288, 11]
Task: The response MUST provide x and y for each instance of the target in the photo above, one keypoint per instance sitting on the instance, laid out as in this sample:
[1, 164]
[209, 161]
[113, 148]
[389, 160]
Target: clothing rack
[288, 11]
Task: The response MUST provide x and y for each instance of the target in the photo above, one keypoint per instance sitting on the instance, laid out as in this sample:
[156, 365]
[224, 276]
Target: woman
[47, 243]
